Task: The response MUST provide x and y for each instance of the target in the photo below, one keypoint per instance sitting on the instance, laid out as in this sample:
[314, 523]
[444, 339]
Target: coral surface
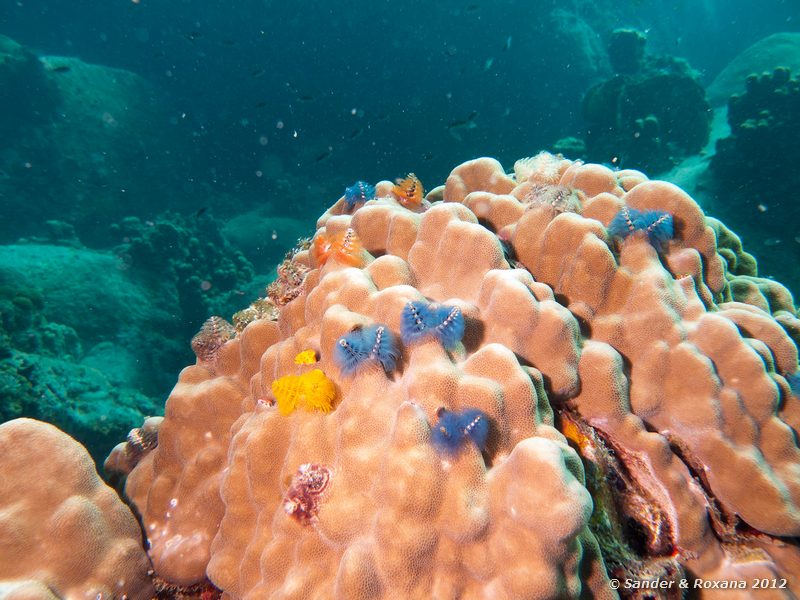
[640, 421]
[63, 532]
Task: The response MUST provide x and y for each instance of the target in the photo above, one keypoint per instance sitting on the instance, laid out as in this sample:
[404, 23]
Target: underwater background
[157, 160]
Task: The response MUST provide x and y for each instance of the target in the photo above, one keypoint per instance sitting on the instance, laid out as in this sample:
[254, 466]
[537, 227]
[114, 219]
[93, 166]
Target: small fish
[257, 72]
[306, 98]
[455, 128]
[355, 133]
[261, 104]
[488, 64]
[59, 69]
[772, 241]
[324, 155]
[200, 212]
[507, 46]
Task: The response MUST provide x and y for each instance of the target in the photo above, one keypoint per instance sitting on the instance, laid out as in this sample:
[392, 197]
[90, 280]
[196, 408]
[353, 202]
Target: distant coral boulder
[82, 143]
[651, 114]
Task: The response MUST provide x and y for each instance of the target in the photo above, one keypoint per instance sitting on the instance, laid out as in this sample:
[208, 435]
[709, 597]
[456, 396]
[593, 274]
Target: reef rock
[82, 143]
[651, 114]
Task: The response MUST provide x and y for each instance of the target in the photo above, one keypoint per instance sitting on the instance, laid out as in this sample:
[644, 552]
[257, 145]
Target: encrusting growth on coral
[408, 191]
[358, 193]
[363, 346]
[311, 391]
[287, 286]
[211, 337]
[656, 225]
[455, 429]
[344, 248]
[558, 197]
[421, 320]
[306, 492]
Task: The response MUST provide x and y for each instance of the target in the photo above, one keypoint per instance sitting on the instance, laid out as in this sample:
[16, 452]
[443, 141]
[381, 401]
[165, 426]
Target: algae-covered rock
[87, 344]
[206, 275]
[91, 404]
[26, 94]
[92, 292]
[83, 144]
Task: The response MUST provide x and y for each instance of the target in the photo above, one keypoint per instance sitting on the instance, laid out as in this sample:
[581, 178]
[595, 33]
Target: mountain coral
[609, 410]
[65, 534]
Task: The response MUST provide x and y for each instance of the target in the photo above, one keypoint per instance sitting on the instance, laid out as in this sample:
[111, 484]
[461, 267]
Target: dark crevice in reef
[630, 524]
[736, 537]
[200, 591]
[724, 523]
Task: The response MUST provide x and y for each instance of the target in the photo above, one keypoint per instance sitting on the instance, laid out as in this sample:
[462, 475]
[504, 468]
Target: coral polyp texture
[63, 532]
[594, 404]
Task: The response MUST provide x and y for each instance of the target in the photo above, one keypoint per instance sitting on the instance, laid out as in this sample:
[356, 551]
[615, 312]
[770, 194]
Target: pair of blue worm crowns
[376, 344]
[420, 320]
[657, 225]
